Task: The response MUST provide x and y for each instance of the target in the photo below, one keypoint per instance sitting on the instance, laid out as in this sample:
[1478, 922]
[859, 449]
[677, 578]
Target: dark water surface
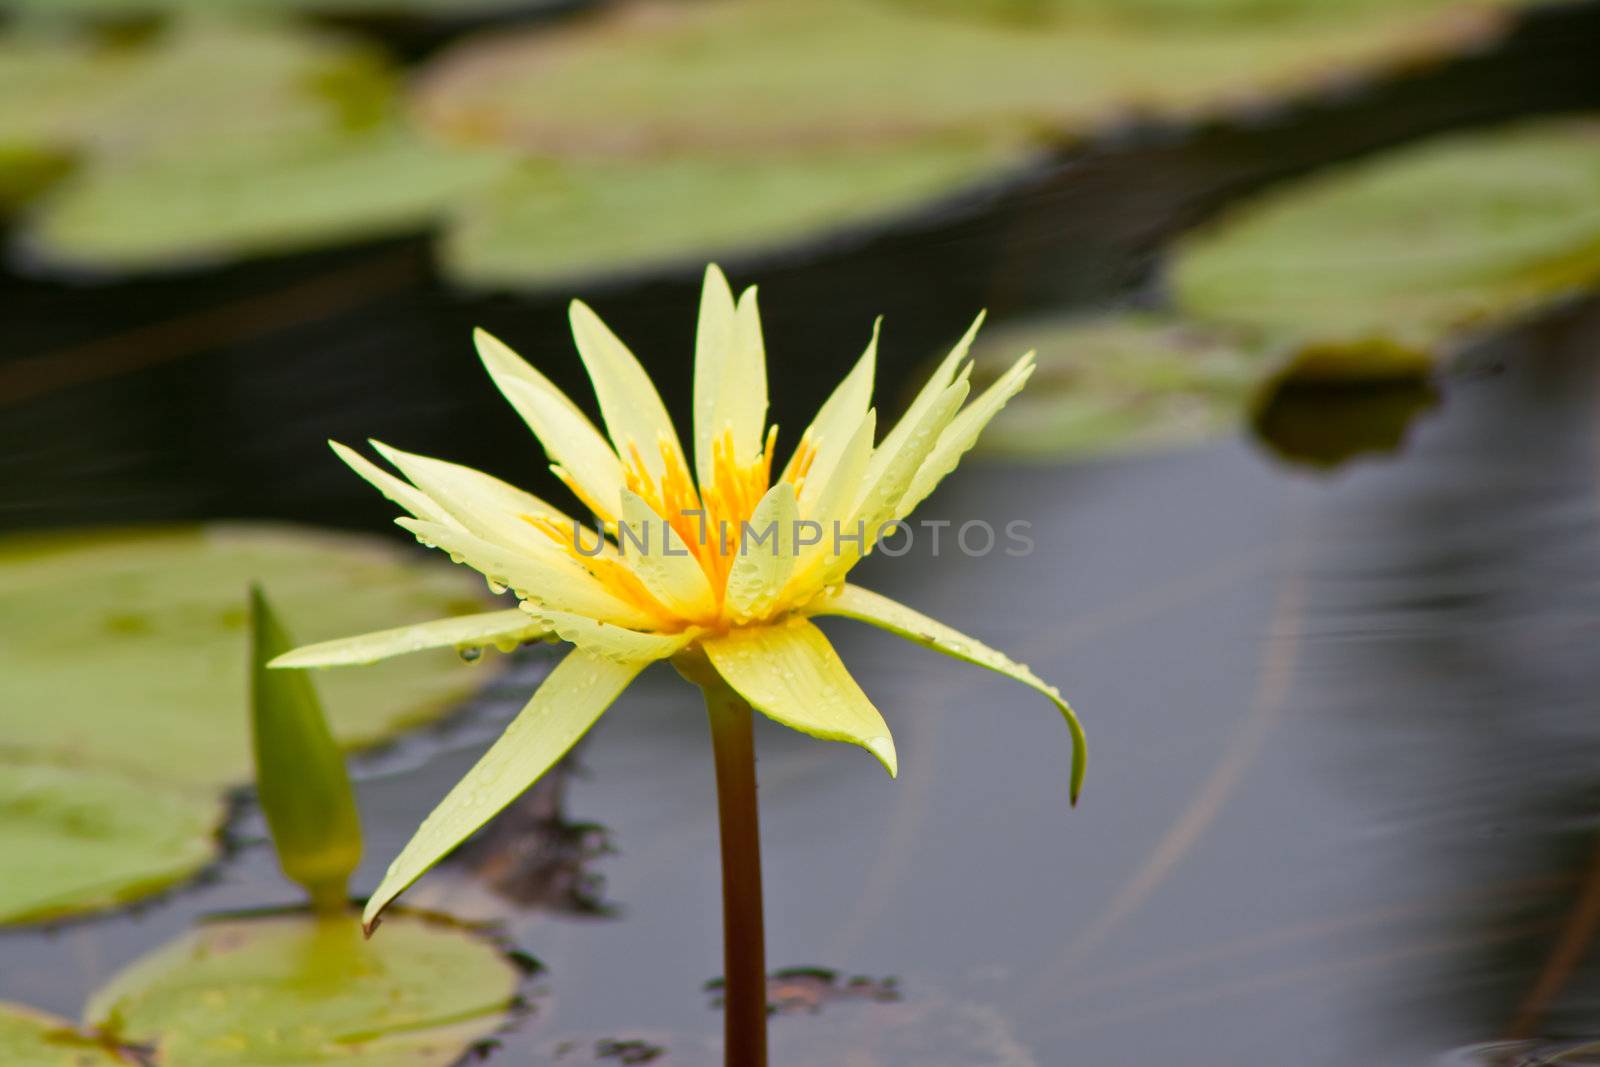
[1341, 805]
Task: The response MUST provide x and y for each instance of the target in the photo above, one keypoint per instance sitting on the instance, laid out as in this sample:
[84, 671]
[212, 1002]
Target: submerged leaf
[78, 839]
[300, 775]
[130, 651]
[298, 990]
[34, 1039]
[1418, 248]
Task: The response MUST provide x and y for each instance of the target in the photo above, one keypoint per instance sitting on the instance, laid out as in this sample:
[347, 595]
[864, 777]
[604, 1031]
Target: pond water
[1341, 805]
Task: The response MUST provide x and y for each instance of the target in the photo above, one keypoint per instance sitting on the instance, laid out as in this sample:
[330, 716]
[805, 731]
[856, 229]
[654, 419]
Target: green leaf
[308, 193]
[566, 704]
[130, 651]
[1416, 249]
[854, 602]
[784, 80]
[34, 1039]
[300, 774]
[1128, 380]
[300, 991]
[552, 219]
[74, 840]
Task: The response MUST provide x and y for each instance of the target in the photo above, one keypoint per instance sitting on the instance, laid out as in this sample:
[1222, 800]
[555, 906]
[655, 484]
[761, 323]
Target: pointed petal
[962, 433]
[837, 419]
[889, 475]
[606, 639]
[943, 376]
[854, 602]
[580, 688]
[483, 505]
[713, 350]
[833, 508]
[559, 584]
[790, 673]
[629, 402]
[568, 437]
[766, 554]
[654, 551]
[743, 405]
[408, 497]
[503, 629]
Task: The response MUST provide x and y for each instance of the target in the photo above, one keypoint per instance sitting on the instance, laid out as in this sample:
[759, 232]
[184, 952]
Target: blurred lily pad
[553, 219]
[181, 212]
[79, 839]
[1166, 12]
[296, 990]
[134, 8]
[33, 1039]
[1118, 381]
[129, 651]
[1414, 250]
[779, 78]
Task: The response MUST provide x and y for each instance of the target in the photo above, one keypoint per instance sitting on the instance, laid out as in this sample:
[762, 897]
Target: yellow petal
[962, 433]
[502, 629]
[485, 506]
[941, 379]
[855, 602]
[409, 497]
[575, 694]
[634, 414]
[652, 549]
[713, 345]
[830, 432]
[604, 639]
[552, 582]
[790, 673]
[761, 570]
[568, 437]
[888, 477]
[833, 508]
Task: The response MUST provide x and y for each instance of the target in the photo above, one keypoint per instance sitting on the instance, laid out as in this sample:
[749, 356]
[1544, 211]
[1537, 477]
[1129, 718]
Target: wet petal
[575, 694]
[629, 402]
[761, 570]
[790, 673]
[943, 376]
[605, 639]
[830, 432]
[962, 433]
[652, 549]
[408, 497]
[483, 505]
[568, 437]
[499, 628]
[854, 602]
[730, 375]
[552, 582]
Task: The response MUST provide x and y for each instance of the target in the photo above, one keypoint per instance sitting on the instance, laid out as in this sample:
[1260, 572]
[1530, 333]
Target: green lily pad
[1166, 12]
[33, 1039]
[113, 9]
[1417, 249]
[1118, 381]
[80, 839]
[298, 991]
[782, 79]
[179, 212]
[554, 219]
[129, 652]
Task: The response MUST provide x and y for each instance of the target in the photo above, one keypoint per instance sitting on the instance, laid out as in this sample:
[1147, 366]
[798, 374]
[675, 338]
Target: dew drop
[469, 653]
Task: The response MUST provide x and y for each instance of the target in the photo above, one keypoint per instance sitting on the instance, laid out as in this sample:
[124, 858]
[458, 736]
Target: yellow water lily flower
[739, 564]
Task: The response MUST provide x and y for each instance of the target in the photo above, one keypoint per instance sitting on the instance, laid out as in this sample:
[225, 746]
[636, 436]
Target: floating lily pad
[128, 8]
[1118, 381]
[294, 990]
[77, 840]
[554, 219]
[1418, 248]
[1167, 12]
[129, 652]
[33, 1039]
[180, 212]
[781, 78]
